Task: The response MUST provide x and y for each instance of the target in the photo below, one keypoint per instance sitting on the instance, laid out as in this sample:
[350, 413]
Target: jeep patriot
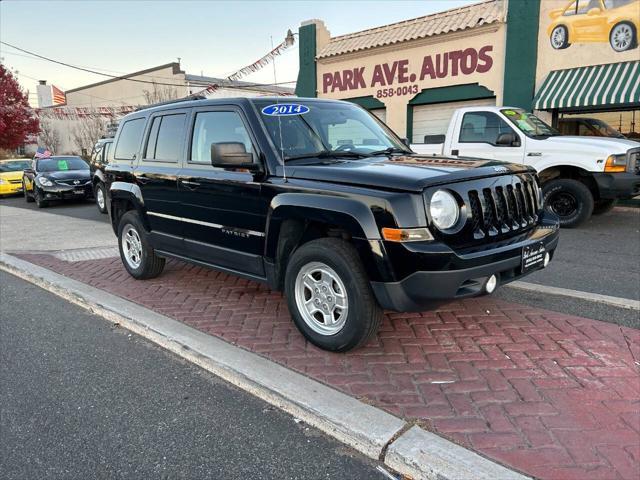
[319, 199]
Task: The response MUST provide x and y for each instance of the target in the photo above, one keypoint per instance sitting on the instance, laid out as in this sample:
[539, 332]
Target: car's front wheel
[137, 254]
[560, 37]
[623, 37]
[329, 295]
[569, 199]
[38, 197]
[101, 197]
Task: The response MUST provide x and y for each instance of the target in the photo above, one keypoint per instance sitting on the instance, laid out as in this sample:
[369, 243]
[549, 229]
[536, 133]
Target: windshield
[56, 164]
[603, 128]
[529, 124]
[14, 166]
[326, 129]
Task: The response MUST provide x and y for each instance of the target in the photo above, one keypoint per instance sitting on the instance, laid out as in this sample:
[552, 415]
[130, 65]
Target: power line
[132, 79]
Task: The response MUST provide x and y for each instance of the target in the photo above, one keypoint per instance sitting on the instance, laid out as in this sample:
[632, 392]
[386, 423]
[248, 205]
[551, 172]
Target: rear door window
[165, 138]
[129, 139]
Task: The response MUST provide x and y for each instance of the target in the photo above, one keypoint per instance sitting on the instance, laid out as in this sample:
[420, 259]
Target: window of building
[217, 127]
[129, 139]
[165, 138]
[482, 127]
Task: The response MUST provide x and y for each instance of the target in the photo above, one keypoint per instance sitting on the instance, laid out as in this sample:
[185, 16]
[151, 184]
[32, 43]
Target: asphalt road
[82, 398]
[83, 209]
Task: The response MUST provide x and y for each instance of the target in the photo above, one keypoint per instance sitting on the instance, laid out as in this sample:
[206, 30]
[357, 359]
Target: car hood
[599, 145]
[11, 175]
[67, 175]
[406, 172]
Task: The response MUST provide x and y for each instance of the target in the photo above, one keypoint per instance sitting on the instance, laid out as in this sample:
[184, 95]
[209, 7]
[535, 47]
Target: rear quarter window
[129, 139]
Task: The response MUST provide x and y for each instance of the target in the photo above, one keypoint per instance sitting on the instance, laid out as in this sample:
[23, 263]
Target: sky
[214, 38]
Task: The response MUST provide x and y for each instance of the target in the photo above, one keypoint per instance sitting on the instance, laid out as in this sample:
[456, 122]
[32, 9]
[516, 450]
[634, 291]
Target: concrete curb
[373, 432]
[586, 296]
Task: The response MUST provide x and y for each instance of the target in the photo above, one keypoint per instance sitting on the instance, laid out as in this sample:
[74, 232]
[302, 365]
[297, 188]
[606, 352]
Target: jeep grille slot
[500, 210]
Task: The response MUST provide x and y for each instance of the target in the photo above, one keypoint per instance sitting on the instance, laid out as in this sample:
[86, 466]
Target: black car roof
[222, 101]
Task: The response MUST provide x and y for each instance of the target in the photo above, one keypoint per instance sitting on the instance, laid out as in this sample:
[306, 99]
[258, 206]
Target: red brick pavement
[552, 395]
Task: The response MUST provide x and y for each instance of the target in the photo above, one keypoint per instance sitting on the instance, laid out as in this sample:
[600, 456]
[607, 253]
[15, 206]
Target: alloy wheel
[558, 37]
[621, 37]
[100, 198]
[321, 298]
[131, 246]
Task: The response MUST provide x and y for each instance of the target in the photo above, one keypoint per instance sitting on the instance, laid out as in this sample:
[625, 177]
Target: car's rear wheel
[38, 198]
[560, 37]
[27, 197]
[623, 37]
[101, 197]
[569, 199]
[137, 254]
[329, 295]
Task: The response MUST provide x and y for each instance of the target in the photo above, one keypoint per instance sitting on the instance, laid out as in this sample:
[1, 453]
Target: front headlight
[3, 181]
[45, 182]
[616, 163]
[444, 210]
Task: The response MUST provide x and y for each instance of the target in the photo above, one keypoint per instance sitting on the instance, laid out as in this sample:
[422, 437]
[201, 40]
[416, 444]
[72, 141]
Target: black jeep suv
[320, 199]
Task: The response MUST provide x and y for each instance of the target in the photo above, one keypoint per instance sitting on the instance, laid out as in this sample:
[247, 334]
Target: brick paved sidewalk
[551, 395]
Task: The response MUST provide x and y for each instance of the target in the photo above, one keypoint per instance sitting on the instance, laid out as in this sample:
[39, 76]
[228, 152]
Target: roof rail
[169, 102]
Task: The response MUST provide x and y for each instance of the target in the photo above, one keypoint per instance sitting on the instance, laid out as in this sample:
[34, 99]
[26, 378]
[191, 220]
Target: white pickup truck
[579, 175]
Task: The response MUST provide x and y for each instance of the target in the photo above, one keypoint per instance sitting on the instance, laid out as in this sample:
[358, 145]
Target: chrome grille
[71, 184]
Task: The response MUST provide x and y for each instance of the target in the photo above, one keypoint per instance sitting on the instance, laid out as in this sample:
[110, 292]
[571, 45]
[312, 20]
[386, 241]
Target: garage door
[434, 119]
[381, 113]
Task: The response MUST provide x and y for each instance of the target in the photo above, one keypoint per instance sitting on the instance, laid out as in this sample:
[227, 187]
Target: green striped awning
[596, 85]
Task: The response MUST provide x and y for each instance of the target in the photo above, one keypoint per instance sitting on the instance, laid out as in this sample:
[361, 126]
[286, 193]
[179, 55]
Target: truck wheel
[604, 206]
[101, 197]
[137, 255]
[570, 200]
[329, 295]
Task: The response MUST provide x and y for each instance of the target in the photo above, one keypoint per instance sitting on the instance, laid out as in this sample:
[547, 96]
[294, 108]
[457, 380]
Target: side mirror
[508, 140]
[232, 155]
[406, 142]
[28, 170]
[594, 12]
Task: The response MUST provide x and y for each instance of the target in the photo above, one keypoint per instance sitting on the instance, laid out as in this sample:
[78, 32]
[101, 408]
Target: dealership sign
[402, 76]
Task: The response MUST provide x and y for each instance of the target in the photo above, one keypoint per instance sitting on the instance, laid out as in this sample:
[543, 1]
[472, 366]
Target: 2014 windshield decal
[283, 109]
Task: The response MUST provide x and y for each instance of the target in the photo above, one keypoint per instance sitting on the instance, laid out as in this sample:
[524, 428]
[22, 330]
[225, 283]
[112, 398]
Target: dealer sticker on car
[533, 257]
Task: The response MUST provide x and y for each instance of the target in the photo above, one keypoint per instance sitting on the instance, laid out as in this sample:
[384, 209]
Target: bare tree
[49, 136]
[160, 94]
[87, 133]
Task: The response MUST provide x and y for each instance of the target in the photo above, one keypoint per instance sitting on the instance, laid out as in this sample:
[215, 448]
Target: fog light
[491, 284]
[547, 259]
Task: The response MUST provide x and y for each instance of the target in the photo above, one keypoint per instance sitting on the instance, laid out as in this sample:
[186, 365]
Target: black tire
[27, 197]
[604, 206]
[37, 197]
[363, 315]
[559, 43]
[98, 190]
[570, 199]
[150, 264]
[627, 45]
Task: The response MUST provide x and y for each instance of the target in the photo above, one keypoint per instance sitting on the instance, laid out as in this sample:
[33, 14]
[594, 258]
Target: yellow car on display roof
[588, 21]
[11, 175]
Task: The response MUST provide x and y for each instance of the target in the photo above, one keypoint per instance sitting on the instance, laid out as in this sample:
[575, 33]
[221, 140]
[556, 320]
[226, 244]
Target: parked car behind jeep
[100, 157]
[320, 199]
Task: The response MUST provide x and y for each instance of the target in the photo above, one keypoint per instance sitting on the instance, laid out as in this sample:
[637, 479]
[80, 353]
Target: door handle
[189, 184]
[455, 152]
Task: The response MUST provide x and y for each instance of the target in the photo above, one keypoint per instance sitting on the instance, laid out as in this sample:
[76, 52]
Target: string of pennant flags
[112, 112]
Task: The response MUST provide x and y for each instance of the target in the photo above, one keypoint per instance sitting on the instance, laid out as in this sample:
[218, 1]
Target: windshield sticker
[510, 112]
[63, 165]
[284, 109]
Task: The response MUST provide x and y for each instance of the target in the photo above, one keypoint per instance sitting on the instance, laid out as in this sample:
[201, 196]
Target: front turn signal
[406, 234]
[616, 163]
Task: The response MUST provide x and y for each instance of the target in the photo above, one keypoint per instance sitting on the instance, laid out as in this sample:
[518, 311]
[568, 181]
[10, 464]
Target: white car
[579, 175]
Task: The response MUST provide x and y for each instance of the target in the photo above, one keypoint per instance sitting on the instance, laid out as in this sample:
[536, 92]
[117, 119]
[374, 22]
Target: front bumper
[427, 289]
[617, 185]
[10, 188]
[58, 192]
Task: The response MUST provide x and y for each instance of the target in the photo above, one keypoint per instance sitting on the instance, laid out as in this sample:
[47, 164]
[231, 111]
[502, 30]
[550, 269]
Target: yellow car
[11, 175]
[587, 21]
